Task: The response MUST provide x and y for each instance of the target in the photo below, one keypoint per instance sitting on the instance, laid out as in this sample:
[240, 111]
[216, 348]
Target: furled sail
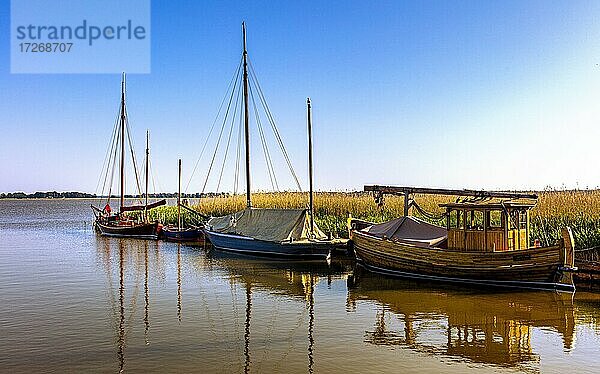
[273, 225]
[410, 230]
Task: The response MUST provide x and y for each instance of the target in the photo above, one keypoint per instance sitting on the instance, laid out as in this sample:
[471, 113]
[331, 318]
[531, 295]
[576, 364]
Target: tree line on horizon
[84, 195]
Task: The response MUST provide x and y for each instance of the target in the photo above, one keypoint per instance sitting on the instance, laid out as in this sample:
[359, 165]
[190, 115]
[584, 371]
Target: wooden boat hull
[247, 245]
[139, 231]
[536, 268]
[185, 235]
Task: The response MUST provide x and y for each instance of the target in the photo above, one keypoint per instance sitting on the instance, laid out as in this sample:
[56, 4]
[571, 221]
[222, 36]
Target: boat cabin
[489, 225]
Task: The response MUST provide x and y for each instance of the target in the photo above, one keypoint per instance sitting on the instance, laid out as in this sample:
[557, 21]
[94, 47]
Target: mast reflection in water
[283, 279]
[127, 251]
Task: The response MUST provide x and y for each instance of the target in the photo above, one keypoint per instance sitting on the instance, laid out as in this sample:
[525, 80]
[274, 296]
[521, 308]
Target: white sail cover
[273, 225]
[410, 230]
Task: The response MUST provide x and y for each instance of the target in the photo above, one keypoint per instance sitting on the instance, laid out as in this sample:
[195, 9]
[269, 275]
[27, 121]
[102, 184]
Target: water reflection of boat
[296, 279]
[492, 328]
[278, 276]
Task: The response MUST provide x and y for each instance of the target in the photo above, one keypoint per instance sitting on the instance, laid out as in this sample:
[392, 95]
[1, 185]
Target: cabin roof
[492, 204]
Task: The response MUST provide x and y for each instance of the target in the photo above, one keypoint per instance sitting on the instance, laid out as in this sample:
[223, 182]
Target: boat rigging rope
[137, 178]
[153, 177]
[108, 157]
[112, 168]
[238, 157]
[254, 79]
[426, 214]
[235, 87]
[228, 141]
[112, 174]
[268, 160]
[234, 80]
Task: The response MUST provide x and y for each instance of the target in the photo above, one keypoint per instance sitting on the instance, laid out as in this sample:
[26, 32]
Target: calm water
[71, 301]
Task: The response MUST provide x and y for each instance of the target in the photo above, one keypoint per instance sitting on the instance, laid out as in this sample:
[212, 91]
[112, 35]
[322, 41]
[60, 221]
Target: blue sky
[465, 94]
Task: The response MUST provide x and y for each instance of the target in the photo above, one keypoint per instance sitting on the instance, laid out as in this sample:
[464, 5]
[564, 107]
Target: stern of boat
[564, 275]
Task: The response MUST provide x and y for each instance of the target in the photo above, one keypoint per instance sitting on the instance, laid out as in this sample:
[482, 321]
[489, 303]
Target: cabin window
[456, 219]
[518, 219]
[523, 220]
[474, 220]
[494, 219]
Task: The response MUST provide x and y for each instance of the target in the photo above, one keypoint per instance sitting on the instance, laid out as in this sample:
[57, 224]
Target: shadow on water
[483, 327]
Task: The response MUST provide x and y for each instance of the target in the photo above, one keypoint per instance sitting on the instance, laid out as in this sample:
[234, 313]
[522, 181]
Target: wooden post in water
[122, 122]
[179, 200]
[146, 172]
[310, 169]
[246, 124]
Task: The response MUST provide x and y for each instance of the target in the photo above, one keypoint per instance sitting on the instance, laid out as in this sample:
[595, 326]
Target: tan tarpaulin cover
[273, 225]
[410, 230]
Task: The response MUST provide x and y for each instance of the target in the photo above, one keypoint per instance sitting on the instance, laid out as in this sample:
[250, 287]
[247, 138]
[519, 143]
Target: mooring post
[406, 203]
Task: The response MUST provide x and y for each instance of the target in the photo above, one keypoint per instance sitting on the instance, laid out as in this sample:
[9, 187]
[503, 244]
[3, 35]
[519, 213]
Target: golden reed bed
[578, 209]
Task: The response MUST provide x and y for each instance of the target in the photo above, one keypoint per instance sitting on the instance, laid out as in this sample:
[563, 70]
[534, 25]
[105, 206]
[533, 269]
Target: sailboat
[288, 233]
[122, 224]
[180, 233]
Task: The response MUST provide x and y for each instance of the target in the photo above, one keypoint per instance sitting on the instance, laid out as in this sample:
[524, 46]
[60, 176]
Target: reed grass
[578, 209]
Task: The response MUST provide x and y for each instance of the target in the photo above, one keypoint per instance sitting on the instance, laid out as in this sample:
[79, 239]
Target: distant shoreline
[48, 195]
[52, 195]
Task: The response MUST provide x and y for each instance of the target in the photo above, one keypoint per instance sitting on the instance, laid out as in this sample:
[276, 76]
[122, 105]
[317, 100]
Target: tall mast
[179, 199]
[146, 171]
[246, 125]
[310, 168]
[122, 142]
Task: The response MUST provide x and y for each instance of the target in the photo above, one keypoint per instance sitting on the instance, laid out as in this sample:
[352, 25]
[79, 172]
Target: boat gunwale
[456, 251]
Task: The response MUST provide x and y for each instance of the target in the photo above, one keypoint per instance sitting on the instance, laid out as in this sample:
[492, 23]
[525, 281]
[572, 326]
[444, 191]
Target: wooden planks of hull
[141, 231]
[531, 268]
